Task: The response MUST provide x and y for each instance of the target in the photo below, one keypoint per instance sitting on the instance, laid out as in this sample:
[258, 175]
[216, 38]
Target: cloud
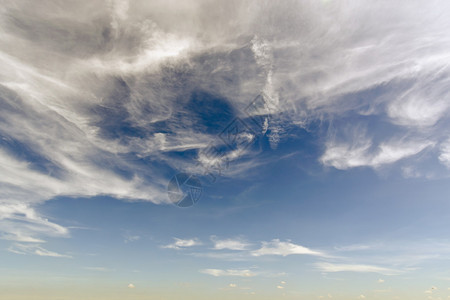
[421, 105]
[35, 250]
[131, 286]
[128, 238]
[444, 156]
[355, 247]
[363, 153]
[230, 272]
[276, 247]
[22, 223]
[183, 243]
[93, 95]
[230, 244]
[85, 123]
[229, 256]
[358, 268]
[393, 253]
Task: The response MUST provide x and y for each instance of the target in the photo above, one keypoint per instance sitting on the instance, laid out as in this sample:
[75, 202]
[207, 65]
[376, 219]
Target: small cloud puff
[180, 243]
[230, 244]
[219, 273]
[277, 247]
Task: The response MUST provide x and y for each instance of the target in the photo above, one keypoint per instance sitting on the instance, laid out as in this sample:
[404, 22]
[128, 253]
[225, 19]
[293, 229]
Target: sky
[238, 150]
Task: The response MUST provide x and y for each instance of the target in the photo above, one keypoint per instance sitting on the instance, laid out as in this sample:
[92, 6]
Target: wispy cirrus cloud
[362, 152]
[230, 272]
[444, 156]
[93, 94]
[358, 268]
[386, 258]
[277, 247]
[230, 244]
[22, 223]
[239, 249]
[356, 247]
[35, 249]
[183, 243]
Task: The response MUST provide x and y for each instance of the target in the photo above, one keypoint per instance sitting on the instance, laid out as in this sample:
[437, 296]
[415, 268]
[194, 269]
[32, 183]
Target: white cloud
[35, 250]
[230, 244]
[131, 286]
[400, 254]
[358, 268]
[229, 256]
[183, 243]
[22, 223]
[355, 247]
[424, 104]
[96, 69]
[363, 154]
[415, 112]
[62, 112]
[276, 247]
[230, 272]
[444, 157]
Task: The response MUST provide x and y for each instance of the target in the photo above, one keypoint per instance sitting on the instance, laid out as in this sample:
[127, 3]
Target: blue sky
[317, 129]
